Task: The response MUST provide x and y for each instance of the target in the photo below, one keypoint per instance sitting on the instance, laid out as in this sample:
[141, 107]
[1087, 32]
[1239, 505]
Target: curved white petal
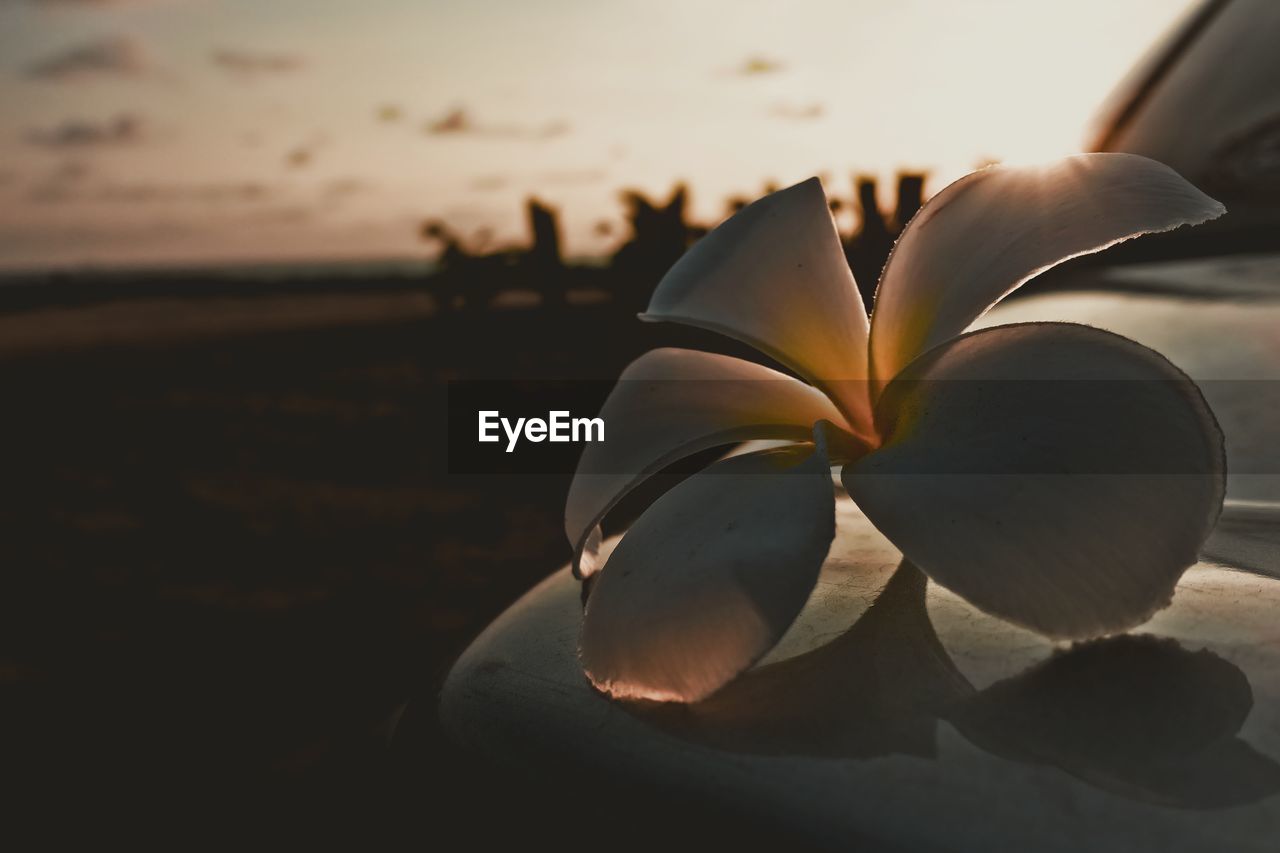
[710, 577]
[774, 275]
[1055, 475]
[671, 403]
[989, 232]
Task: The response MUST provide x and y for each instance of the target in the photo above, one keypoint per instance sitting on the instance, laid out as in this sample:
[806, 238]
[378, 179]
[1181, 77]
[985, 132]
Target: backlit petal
[710, 577]
[989, 232]
[669, 404]
[774, 276]
[1057, 476]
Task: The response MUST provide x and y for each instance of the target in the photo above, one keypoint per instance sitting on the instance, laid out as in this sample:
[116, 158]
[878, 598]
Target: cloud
[345, 187]
[118, 56]
[91, 4]
[124, 129]
[248, 63]
[572, 177]
[458, 121]
[799, 112]
[299, 158]
[489, 183]
[304, 154]
[70, 172]
[142, 193]
[754, 66]
[63, 183]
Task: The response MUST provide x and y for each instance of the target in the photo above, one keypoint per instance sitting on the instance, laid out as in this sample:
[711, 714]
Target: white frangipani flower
[1056, 505]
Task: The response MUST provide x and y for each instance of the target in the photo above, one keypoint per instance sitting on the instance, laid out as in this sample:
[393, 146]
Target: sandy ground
[233, 558]
[174, 320]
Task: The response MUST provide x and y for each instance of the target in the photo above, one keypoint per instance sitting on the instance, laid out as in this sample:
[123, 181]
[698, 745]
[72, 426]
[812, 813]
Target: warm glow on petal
[671, 403]
[710, 577]
[990, 232]
[1057, 476]
[775, 276]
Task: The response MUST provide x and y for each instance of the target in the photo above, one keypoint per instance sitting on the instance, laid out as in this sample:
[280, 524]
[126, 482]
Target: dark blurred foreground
[235, 566]
[232, 554]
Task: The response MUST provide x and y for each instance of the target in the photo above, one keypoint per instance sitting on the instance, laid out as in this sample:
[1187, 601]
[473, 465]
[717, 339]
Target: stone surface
[1230, 347]
[895, 714]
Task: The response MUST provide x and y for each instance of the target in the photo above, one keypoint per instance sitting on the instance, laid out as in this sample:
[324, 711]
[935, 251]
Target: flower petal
[1070, 507]
[669, 404]
[988, 233]
[710, 577]
[774, 276]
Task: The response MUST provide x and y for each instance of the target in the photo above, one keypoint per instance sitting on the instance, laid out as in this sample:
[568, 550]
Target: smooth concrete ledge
[920, 722]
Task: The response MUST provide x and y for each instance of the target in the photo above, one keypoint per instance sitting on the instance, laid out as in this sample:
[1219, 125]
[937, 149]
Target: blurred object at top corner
[1206, 101]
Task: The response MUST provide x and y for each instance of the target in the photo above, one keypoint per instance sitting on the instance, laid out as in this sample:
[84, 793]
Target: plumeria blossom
[1055, 505]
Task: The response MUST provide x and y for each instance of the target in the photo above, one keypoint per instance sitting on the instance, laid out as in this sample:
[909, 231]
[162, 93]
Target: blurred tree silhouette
[657, 234]
[870, 244]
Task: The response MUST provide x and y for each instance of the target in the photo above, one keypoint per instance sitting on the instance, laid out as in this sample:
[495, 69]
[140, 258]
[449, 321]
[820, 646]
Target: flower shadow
[1138, 716]
[877, 689]
[1135, 715]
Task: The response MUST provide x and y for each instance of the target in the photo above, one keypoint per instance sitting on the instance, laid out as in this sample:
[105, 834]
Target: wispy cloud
[124, 129]
[70, 172]
[118, 56]
[144, 193]
[63, 183]
[92, 4]
[572, 177]
[300, 157]
[754, 66]
[345, 187]
[799, 112]
[459, 121]
[247, 63]
[304, 154]
[489, 183]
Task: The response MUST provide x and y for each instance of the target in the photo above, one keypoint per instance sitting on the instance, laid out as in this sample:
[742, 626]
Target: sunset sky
[179, 131]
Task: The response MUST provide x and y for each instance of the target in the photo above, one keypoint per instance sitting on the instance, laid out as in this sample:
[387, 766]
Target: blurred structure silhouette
[658, 237]
[453, 260]
[868, 248]
[657, 234]
[870, 244]
[543, 263]
[910, 199]
[470, 281]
